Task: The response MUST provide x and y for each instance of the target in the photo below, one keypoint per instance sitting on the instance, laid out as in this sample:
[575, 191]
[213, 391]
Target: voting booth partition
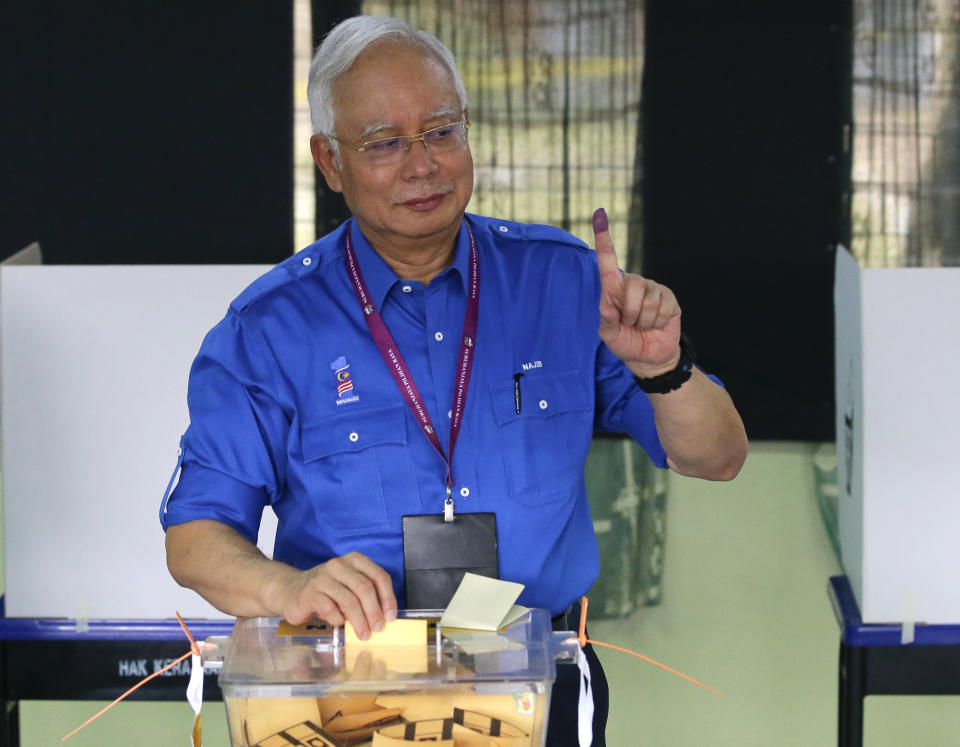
[898, 448]
[94, 379]
[898, 480]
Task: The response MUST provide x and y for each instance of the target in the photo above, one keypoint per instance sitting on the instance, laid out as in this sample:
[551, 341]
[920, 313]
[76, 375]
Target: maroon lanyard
[398, 368]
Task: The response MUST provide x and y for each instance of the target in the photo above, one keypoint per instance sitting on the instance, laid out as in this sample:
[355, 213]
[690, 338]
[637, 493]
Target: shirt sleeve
[231, 462]
[621, 406]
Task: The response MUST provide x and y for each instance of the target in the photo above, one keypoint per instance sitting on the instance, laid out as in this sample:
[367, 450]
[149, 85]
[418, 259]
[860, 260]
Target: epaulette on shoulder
[296, 266]
[273, 278]
[506, 229]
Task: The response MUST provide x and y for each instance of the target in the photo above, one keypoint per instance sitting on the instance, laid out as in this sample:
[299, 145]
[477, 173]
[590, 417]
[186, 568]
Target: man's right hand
[350, 588]
[228, 570]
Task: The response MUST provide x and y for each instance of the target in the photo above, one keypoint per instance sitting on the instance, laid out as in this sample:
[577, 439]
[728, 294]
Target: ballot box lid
[266, 657]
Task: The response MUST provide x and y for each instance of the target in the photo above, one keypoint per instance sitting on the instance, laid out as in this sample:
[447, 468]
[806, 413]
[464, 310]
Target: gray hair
[343, 45]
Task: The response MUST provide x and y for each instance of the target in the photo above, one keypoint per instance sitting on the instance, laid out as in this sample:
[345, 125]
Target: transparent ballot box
[306, 685]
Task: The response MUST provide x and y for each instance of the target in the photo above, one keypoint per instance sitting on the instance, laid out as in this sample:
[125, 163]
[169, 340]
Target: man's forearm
[225, 568]
[700, 429]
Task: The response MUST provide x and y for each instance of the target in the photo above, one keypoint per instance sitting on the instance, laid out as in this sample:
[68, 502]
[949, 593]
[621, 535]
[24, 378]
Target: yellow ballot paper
[482, 603]
[404, 631]
[401, 647]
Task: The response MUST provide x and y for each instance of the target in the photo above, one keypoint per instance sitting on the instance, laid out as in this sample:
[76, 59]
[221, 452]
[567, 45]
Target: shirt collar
[380, 277]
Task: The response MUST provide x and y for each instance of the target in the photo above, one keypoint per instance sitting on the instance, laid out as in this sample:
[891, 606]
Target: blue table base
[874, 661]
[42, 659]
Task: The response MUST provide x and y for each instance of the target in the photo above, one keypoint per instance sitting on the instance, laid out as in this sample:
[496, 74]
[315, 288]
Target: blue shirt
[272, 420]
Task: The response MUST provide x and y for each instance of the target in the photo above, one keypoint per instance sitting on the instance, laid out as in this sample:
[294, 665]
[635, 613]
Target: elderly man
[419, 361]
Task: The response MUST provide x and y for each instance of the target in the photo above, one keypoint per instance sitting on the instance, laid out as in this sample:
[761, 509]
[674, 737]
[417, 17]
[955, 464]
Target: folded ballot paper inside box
[417, 681]
[482, 603]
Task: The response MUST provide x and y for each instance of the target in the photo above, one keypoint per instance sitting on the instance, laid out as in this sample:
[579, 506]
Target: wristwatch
[675, 378]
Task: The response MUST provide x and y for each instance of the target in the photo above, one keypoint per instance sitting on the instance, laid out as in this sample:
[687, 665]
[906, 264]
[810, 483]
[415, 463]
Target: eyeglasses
[389, 150]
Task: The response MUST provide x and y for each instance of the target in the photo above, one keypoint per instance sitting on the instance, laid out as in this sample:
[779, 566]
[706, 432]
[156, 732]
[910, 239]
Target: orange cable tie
[657, 663]
[582, 636]
[142, 682]
[194, 648]
[583, 641]
[194, 651]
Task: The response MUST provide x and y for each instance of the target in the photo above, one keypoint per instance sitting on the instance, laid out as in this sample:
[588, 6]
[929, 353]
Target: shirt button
[464, 491]
[543, 404]
[354, 436]
[406, 288]
[450, 414]
[438, 336]
[503, 229]
[307, 261]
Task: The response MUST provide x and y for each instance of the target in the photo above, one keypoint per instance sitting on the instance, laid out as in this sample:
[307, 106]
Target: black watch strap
[675, 378]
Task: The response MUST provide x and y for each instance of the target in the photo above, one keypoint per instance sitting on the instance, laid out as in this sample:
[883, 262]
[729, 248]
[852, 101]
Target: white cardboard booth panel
[898, 439]
[94, 380]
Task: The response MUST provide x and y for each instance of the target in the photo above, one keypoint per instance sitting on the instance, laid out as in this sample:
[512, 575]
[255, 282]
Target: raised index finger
[610, 277]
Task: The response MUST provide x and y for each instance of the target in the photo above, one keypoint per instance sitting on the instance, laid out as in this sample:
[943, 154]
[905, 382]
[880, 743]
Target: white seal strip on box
[195, 694]
[585, 705]
[908, 630]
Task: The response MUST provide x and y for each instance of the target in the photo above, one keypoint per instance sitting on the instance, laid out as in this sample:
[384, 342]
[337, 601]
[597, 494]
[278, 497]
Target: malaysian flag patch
[345, 391]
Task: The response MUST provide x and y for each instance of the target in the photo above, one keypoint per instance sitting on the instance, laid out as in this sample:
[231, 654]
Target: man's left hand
[639, 319]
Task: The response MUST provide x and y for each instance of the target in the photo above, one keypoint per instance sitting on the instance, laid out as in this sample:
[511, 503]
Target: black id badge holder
[437, 553]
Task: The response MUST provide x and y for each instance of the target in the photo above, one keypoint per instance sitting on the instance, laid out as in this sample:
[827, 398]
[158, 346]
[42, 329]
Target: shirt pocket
[544, 446]
[353, 460]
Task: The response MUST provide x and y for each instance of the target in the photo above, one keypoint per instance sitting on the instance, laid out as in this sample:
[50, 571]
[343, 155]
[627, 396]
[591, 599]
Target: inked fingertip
[600, 221]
